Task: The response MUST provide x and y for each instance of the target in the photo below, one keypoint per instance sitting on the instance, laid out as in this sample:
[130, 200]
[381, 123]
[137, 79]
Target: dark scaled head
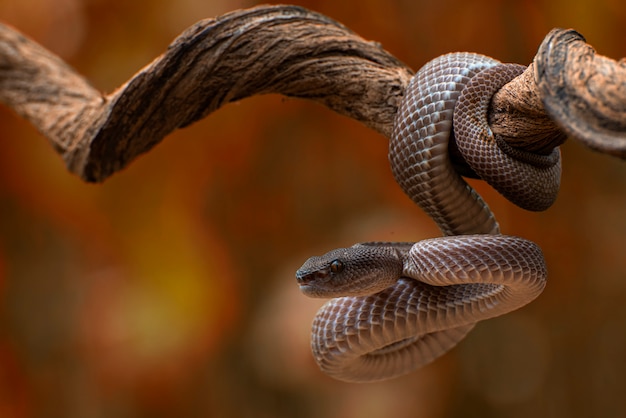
[355, 271]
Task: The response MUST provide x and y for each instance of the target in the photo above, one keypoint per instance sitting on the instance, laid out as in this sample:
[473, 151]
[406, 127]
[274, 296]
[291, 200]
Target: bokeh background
[169, 291]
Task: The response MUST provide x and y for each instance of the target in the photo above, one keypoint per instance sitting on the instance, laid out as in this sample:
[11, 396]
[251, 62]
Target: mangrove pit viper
[398, 306]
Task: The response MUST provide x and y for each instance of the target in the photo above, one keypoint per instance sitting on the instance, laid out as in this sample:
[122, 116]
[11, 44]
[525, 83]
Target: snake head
[355, 271]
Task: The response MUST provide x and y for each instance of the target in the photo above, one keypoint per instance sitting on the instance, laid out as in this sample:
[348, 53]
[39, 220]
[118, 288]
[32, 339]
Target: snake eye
[336, 266]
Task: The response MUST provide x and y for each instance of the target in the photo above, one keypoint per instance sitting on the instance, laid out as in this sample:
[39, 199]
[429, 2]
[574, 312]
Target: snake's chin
[312, 291]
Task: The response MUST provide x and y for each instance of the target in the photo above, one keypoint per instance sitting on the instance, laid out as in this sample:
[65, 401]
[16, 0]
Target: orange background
[169, 290]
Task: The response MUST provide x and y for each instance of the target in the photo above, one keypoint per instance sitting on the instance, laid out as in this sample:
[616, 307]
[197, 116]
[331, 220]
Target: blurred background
[169, 290]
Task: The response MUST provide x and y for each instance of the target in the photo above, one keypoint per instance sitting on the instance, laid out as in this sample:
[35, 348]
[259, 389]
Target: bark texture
[585, 93]
[568, 90]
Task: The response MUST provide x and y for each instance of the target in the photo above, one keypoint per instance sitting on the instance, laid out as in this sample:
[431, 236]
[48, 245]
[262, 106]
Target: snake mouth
[311, 284]
[304, 279]
[313, 291]
[305, 288]
[308, 278]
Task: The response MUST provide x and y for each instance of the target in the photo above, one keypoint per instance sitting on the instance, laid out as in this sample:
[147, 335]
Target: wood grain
[298, 53]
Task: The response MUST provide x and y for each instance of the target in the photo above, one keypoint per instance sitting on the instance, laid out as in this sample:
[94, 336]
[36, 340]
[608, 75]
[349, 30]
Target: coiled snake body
[398, 306]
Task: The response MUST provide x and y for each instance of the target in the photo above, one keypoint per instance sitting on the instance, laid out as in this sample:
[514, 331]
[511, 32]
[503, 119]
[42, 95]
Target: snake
[397, 306]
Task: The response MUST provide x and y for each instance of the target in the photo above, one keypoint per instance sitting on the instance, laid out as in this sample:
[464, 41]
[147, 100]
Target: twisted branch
[583, 92]
[298, 53]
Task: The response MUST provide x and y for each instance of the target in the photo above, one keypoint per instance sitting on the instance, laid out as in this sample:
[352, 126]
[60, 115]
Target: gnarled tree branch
[298, 53]
[585, 93]
[277, 49]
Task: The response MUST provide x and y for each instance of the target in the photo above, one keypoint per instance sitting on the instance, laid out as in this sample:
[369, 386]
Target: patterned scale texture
[448, 285]
[418, 148]
[531, 181]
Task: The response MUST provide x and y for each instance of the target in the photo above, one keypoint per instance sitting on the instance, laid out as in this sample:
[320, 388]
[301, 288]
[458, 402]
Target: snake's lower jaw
[305, 284]
[311, 285]
[310, 291]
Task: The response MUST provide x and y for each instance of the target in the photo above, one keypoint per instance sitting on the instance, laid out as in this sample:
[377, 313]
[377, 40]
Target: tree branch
[518, 116]
[298, 53]
[583, 92]
[279, 49]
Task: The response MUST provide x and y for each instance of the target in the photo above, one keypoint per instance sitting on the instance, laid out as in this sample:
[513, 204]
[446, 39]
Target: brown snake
[398, 306]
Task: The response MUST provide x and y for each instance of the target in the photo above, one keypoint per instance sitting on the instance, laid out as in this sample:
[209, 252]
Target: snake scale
[397, 306]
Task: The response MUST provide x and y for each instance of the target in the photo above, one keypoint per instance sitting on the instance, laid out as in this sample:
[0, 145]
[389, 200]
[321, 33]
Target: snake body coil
[399, 306]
